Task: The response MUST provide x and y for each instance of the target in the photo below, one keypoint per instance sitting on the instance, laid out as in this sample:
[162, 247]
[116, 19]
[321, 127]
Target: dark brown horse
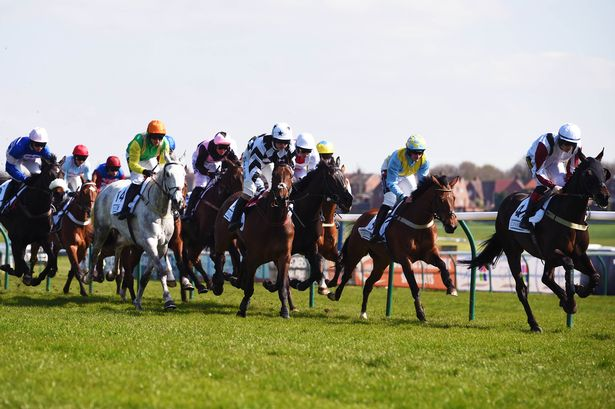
[28, 221]
[267, 236]
[561, 237]
[198, 231]
[75, 234]
[410, 236]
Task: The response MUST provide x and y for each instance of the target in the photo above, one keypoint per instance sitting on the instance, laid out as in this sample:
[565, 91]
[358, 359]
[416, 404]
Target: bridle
[451, 213]
[169, 192]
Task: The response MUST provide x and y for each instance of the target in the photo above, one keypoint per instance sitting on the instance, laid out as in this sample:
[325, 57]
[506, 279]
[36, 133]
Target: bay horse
[150, 228]
[561, 238]
[198, 232]
[267, 235]
[28, 221]
[325, 182]
[75, 234]
[410, 236]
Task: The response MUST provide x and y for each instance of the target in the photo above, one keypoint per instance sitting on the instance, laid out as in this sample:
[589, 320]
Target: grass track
[65, 351]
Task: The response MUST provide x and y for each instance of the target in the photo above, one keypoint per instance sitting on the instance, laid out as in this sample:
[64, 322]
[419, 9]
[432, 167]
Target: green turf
[66, 351]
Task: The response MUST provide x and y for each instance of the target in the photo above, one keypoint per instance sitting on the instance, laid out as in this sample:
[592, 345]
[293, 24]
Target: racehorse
[560, 238]
[410, 236]
[198, 233]
[267, 235]
[29, 221]
[325, 182]
[75, 234]
[150, 228]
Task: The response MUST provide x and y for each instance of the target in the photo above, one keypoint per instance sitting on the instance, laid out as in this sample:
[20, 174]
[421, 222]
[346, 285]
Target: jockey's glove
[147, 173]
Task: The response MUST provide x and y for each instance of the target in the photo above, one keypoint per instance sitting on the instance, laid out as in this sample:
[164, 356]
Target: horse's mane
[426, 183]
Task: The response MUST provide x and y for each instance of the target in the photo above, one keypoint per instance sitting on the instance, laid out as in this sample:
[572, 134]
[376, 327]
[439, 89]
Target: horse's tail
[491, 250]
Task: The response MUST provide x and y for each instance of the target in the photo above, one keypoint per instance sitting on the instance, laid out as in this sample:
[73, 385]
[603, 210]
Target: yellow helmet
[325, 147]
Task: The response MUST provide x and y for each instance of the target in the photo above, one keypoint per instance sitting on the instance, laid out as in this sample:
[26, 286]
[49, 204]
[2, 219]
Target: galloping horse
[267, 235]
[29, 221]
[150, 228]
[561, 237]
[324, 182]
[410, 236]
[75, 234]
[198, 233]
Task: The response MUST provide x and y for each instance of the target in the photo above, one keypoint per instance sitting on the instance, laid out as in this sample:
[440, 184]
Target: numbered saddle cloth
[515, 218]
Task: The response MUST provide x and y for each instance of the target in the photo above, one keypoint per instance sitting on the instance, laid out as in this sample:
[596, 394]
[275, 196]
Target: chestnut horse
[75, 234]
[267, 235]
[560, 238]
[198, 232]
[410, 236]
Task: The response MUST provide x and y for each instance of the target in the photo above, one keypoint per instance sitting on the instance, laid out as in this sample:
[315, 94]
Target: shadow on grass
[37, 301]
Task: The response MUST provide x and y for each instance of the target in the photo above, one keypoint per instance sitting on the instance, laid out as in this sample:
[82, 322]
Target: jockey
[306, 157]
[108, 172]
[325, 150]
[398, 177]
[207, 163]
[23, 159]
[77, 168]
[261, 151]
[144, 153]
[552, 159]
[171, 142]
[59, 193]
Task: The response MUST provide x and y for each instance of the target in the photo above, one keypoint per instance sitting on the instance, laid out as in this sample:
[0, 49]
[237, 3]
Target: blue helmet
[171, 142]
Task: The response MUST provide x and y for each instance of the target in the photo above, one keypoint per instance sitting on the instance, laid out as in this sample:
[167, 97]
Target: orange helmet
[156, 126]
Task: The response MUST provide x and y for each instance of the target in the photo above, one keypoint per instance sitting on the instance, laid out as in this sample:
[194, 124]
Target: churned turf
[66, 351]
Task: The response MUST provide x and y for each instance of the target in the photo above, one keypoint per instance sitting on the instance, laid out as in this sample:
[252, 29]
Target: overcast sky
[479, 79]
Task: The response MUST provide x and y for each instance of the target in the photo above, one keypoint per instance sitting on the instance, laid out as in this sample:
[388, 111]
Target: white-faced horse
[150, 227]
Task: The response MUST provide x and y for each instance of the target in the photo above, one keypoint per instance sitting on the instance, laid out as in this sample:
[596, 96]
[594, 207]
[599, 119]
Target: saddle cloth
[515, 218]
[228, 215]
[118, 200]
[3, 188]
[367, 231]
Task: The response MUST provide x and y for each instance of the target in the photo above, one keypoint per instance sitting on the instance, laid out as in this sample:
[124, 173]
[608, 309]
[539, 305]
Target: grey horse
[151, 224]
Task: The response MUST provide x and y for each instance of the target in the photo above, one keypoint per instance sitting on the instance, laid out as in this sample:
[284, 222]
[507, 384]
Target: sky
[479, 79]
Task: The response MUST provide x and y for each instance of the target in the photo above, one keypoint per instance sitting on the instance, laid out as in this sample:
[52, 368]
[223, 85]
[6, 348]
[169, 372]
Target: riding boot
[382, 214]
[194, 198]
[529, 212]
[131, 193]
[235, 222]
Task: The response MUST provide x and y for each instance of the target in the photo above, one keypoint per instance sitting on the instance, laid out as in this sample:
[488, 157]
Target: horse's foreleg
[571, 306]
[547, 279]
[379, 265]
[217, 280]
[143, 283]
[71, 253]
[514, 262]
[352, 256]
[436, 260]
[414, 287]
[248, 288]
[283, 284]
[52, 263]
[97, 244]
[585, 266]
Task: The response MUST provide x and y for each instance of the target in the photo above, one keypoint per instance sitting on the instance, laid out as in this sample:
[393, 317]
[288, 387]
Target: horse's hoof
[269, 286]
[169, 305]
[235, 282]
[323, 291]
[65, 290]
[294, 309]
[420, 311]
[27, 279]
[582, 291]
[451, 291]
[285, 314]
[330, 283]
[227, 276]
[202, 289]
[110, 276]
[536, 328]
[171, 283]
[35, 282]
[52, 273]
[331, 296]
[98, 278]
[363, 316]
[294, 283]
[137, 305]
[187, 287]
[83, 293]
[241, 314]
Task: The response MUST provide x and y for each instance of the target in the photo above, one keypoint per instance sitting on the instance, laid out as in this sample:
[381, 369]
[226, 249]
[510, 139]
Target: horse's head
[281, 183]
[172, 179]
[50, 170]
[85, 197]
[589, 179]
[335, 185]
[231, 179]
[436, 194]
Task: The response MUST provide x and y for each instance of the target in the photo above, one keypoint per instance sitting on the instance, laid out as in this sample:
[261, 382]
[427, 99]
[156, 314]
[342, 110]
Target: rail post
[7, 255]
[468, 233]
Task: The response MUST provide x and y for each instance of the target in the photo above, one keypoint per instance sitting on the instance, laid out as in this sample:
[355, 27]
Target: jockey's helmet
[80, 150]
[171, 142]
[305, 141]
[221, 139]
[39, 135]
[58, 183]
[282, 133]
[416, 144]
[113, 162]
[325, 147]
[570, 133]
[156, 127]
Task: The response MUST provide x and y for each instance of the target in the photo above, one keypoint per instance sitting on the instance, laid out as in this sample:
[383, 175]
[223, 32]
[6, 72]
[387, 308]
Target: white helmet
[305, 141]
[282, 132]
[58, 183]
[570, 133]
[39, 135]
